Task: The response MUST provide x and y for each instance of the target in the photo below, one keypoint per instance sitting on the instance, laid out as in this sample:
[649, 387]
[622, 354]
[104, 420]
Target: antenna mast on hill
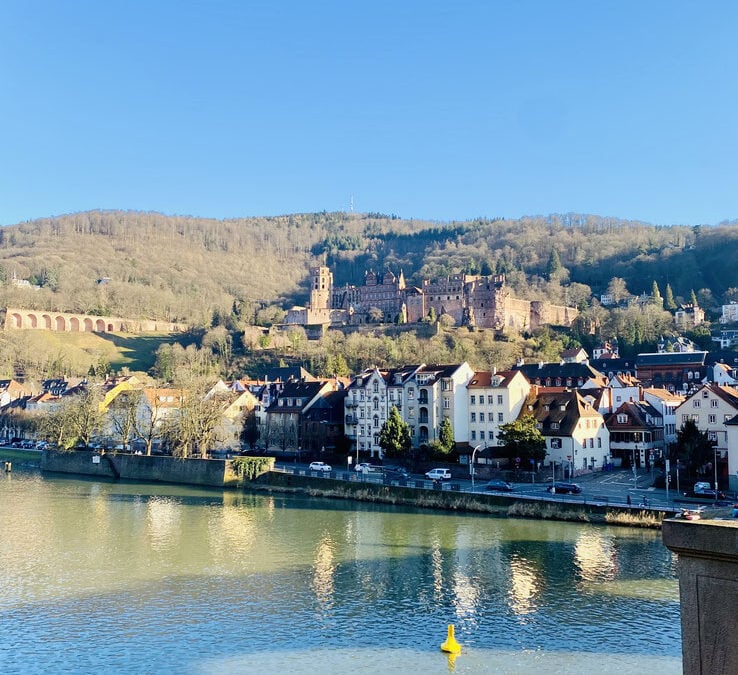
[351, 203]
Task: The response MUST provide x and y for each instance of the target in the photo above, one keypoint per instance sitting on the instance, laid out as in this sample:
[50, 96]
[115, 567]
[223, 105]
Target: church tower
[321, 287]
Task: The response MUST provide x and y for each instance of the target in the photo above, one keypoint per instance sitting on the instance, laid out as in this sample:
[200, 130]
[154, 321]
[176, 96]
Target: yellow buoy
[451, 646]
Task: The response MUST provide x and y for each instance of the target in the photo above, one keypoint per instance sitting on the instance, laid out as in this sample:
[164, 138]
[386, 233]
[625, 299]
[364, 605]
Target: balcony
[351, 404]
[351, 419]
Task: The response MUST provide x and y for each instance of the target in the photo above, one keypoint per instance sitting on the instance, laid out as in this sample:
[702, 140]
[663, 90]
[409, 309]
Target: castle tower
[321, 287]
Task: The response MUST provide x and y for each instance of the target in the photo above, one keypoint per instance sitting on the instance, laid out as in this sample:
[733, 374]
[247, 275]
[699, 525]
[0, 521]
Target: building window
[473, 400]
[622, 419]
[481, 417]
[376, 421]
[473, 435]
[555, 443]
[490, 400]
[599, 442]
[499, 399]
[376, 404]
[474, 417]
[500, 417]
[376, 387]
[696, 403]
[411, 393]
[714, 403]
[481, 435]
[712, 419]
[446, 403]
[554, 425]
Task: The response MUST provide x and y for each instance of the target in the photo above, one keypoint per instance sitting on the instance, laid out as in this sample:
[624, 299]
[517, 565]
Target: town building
[676, 371]
[576, 436]
[636, 434]
[710, 407]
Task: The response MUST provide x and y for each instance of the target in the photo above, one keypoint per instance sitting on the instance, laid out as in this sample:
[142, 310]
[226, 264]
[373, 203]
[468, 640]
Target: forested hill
[181, 268]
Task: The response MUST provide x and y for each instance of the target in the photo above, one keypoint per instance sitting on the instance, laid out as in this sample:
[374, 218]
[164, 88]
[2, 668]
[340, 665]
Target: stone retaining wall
[210, 472]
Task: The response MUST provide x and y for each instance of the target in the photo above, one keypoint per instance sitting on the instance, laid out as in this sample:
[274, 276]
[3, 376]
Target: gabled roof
[484, 379]
[287, 373]
[726, 392]
[664, 394]
[574, 371]
[558, 412]
[671, 359]
[305, 392]
[637, 413]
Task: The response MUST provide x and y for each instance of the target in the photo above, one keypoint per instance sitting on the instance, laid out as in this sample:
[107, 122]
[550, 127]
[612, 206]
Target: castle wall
[16, 318]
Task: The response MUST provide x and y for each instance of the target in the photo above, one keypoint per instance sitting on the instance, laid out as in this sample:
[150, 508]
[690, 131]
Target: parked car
[396, 472]
[320, 466]
[359, 468]
[704, 491]
[564, 488]
[499, 486]
[438, 474]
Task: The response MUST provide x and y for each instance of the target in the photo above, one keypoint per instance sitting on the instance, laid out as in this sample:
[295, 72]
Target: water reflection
[324, 569]
[595, 556]
[342, 580]
[524, 586]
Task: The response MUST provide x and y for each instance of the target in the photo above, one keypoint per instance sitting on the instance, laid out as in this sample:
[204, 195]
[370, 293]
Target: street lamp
[471, 466]
[635, 473]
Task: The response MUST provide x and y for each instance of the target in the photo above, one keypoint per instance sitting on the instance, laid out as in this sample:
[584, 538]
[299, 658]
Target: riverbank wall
[454, 500]
[162, 469]
[224, 474]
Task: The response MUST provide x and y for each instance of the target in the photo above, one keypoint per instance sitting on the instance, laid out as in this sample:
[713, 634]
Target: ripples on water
[109, 577]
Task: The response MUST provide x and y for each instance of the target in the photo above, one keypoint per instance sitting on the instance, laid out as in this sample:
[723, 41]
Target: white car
[320, 466]
[360, 467]
[439, 474]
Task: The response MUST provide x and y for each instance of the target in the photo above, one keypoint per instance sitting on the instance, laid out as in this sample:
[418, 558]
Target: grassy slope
[121, 350]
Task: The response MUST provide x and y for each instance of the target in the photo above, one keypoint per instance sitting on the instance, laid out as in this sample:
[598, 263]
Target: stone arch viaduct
[84, 323]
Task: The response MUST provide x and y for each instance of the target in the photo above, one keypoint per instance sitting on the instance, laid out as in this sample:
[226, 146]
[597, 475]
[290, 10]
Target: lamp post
[635, 473]
[716, 484]
[471, 466]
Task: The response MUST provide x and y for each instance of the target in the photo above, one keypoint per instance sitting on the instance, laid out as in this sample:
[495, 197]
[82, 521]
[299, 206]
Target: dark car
[396, 472]
[499, 486]
[564, 488]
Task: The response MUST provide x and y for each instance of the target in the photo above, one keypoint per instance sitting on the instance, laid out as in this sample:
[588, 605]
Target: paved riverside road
[609, 487]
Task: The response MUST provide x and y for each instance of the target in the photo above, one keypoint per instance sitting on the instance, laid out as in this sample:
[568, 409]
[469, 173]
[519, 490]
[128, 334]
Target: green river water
[103, 577]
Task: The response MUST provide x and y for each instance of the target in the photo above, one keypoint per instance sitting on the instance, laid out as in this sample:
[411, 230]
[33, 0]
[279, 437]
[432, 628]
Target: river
[146, 578]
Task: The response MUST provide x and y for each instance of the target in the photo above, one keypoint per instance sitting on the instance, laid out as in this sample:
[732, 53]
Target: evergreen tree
[669, 302]
[693, 298]
[446, 435]
[394, 436]
[522, 439]
[694, 447]
[554, 267]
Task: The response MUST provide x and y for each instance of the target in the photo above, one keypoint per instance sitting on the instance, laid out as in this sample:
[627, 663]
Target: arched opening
[74, 324]
[60, 323]
[87, 325]
[423, 434]
[46, 320]
[110, 328]
[424, 415]
[100, 326]
[33, 320]
[16, 320]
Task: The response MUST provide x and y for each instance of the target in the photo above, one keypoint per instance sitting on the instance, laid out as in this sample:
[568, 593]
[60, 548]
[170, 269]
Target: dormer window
[622, 419]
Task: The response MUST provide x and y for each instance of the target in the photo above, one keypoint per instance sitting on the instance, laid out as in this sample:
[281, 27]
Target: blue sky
[437, 110]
